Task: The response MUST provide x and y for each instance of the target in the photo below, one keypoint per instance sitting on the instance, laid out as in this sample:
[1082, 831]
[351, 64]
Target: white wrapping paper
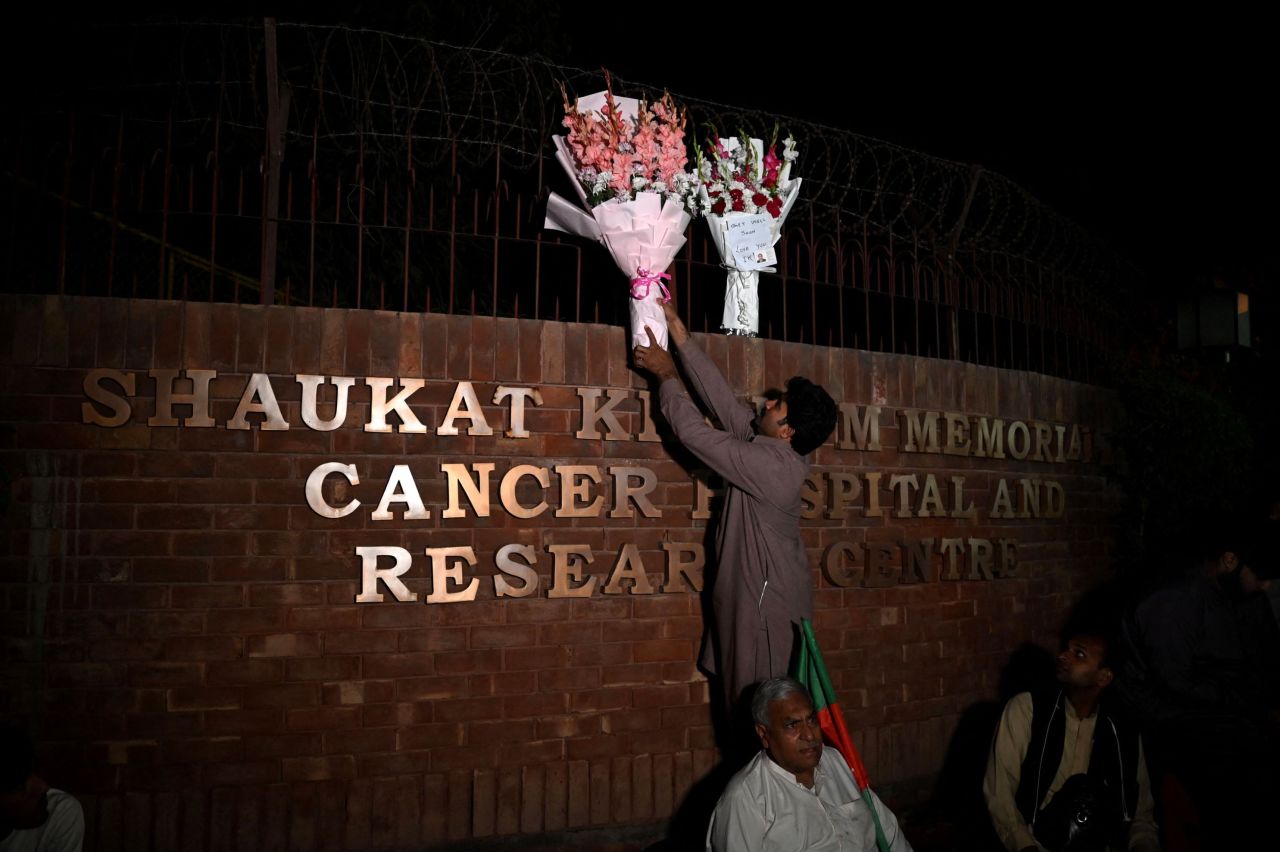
[741, 314]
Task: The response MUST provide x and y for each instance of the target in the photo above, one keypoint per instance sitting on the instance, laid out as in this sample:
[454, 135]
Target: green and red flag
[812, 672]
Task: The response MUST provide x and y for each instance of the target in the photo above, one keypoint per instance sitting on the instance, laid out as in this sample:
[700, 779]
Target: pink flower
[771, 161]
[650, 146]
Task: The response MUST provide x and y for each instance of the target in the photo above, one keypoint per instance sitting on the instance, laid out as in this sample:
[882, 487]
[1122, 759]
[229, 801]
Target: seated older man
[795, 794]
[33, 817]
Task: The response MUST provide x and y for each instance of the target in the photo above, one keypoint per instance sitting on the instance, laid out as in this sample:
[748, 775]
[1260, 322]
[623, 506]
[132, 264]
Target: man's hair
[17, 757]
[811, 412]
[774, 689]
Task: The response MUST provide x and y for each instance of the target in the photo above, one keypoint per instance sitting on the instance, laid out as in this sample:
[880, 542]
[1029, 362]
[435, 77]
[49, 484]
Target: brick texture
[210, 681]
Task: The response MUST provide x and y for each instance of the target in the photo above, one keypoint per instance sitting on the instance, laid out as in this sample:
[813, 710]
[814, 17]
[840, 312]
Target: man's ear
[763, 733]
[1105, 676]
[785, 433]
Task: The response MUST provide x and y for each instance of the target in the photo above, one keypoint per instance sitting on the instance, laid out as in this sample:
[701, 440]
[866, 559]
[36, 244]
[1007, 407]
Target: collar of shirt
[1072, 714]
[788, 776]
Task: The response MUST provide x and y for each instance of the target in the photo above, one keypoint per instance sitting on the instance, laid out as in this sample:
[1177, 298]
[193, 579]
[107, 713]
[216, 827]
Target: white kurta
[62, 832]
[766, 808]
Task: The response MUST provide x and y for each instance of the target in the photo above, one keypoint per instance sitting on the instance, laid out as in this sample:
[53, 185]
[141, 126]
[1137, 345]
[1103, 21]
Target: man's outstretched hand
[654, 359]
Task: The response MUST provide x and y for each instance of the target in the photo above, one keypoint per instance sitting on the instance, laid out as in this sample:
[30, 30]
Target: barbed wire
[371, 94]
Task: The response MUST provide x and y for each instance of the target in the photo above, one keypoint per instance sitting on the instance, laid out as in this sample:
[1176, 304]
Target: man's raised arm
[746, 464]
[706, 381]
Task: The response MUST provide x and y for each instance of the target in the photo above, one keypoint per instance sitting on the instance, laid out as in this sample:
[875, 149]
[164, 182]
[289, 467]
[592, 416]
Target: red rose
[718, 207]
[759, 199]
[738, 205]
[775, 207]
[736, 194]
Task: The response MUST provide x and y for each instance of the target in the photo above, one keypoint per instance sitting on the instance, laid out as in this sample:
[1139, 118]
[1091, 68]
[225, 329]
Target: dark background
[1154, 133]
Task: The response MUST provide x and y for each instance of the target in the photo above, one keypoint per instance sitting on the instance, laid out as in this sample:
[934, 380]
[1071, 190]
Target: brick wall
[180, 627]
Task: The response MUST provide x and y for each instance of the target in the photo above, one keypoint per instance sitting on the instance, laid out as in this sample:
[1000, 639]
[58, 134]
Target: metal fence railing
[417, 184]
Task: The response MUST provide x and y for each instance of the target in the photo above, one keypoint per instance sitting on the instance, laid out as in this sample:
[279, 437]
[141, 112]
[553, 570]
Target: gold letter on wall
[370, 574]
[119, 406]
[446, 571]
[198, 399]
[569, 561]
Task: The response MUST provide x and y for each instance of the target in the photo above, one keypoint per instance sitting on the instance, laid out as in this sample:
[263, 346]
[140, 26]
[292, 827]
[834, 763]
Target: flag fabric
[812, 672]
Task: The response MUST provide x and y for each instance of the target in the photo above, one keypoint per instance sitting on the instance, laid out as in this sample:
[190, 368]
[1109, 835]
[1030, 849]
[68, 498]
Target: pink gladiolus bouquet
[746, 192]
[627, 160]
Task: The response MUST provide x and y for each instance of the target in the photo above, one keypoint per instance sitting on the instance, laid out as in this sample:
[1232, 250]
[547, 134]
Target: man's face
[1226, 562]
[793, 738]
[27, 806]
[772, 421]
[1080, 663]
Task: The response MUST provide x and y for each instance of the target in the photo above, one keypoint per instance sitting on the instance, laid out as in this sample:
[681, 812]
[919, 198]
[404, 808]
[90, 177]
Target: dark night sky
[1160, 145]
[1154, 134]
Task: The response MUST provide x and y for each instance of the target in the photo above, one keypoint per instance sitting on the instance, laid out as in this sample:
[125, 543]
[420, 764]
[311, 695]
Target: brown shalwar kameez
[762, 585]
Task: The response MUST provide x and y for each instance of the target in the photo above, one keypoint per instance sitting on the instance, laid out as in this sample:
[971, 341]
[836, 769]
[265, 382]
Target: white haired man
[795, 794]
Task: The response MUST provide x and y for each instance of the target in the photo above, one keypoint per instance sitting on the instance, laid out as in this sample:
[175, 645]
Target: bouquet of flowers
[746, 193]
[626, 158]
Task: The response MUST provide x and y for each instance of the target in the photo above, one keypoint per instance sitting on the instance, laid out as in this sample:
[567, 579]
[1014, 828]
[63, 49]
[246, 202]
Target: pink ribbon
[647, 279]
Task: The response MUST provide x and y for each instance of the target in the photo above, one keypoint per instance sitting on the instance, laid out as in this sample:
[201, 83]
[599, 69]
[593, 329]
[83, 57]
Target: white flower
[658, 186]
[789, 149]
[639, 182]
[737, 184]
[602, 182]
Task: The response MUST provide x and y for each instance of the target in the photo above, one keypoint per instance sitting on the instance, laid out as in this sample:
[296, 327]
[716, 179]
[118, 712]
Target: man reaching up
[763, 586]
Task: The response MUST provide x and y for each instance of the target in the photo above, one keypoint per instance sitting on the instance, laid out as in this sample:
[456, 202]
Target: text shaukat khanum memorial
[529, 490]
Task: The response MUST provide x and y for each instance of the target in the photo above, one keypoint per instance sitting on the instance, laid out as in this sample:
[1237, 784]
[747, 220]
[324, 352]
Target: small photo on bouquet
[626, 158]
[746, 192]
[749, 239]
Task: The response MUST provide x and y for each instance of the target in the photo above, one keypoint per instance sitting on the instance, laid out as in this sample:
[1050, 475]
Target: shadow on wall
[738, 743]
[957, 812]
[956, 816]
[734, 734]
